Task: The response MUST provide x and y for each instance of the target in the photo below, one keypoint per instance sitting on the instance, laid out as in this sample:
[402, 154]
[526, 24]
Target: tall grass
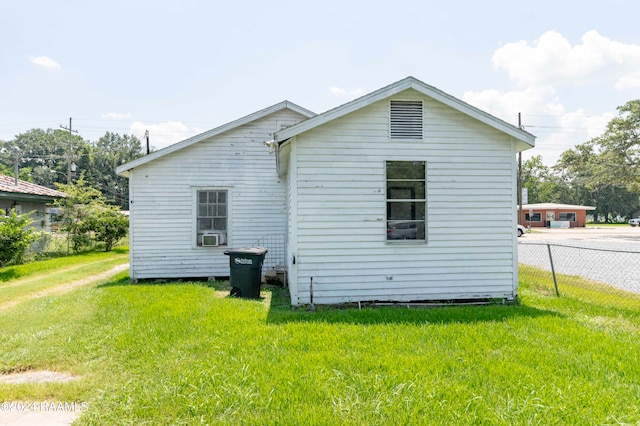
[188, 354]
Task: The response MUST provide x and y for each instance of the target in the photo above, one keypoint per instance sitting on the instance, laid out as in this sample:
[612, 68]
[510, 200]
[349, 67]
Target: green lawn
[185, 353]
[607, 225]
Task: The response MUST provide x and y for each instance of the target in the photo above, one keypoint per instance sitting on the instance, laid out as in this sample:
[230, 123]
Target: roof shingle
[8, 184]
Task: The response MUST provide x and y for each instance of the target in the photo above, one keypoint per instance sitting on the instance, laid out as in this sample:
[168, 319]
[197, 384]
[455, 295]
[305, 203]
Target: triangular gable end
[123, 170]
[525, 140]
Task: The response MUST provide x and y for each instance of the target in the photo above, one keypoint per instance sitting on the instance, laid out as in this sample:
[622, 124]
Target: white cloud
[339, 91]
[542, 68]
[553, 59]
[591, 126]
[116, 115]
[568, 130]
[45, 62]
[538, 100]
[545, 116]
[163, 134]
[628, 82]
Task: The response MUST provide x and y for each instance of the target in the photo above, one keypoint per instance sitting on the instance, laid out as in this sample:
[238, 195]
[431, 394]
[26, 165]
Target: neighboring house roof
[526, 139]
[555, 206]
[123, 169]
[26, 191]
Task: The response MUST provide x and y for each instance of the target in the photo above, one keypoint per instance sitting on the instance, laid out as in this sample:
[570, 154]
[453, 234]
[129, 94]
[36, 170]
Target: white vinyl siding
[163, 201]
[341, 210]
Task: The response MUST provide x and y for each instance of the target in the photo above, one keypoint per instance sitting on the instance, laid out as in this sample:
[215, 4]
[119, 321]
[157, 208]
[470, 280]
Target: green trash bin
[245, 271]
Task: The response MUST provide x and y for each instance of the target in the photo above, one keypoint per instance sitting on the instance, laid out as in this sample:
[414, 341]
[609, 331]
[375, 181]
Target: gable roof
[26, 190]
[123, 169]
[526, 139]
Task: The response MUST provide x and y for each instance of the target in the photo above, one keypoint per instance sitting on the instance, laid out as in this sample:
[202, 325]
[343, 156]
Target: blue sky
[178, 68]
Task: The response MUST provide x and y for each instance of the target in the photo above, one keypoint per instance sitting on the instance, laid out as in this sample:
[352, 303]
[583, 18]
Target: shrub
[15, 236]
[109, 226]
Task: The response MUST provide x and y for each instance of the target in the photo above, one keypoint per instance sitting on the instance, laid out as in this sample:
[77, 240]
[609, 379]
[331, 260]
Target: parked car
[634, 222]
[402, 231]
[521, 230]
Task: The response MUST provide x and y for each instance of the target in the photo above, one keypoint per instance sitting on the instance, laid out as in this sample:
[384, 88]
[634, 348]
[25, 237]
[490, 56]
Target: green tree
[88, 218]
[620, 148]
[15, 236]
[575, 170]
[7, 162]
[542, 185]
[593, 179]
[44, 160]
[110, 151]
[44, 155]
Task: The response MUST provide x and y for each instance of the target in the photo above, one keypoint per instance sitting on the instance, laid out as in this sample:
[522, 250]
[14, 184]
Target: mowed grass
[28, 282]
[185, 353]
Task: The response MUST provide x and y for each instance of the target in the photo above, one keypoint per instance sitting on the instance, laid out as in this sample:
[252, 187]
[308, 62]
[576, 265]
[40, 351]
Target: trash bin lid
[255, 251]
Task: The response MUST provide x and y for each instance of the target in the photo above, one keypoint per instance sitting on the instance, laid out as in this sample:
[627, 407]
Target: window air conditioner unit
[211, 240]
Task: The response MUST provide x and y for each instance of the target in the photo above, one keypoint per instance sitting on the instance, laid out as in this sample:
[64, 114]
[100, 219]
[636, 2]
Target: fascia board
[124, 169]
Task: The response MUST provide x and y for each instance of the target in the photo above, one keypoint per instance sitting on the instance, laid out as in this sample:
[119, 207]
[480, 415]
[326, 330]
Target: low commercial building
[553, 215]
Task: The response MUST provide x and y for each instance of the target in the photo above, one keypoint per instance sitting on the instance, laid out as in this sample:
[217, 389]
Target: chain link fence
[589, 274]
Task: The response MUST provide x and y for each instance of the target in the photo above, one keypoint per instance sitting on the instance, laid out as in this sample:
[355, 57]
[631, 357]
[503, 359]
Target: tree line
[44, 157]
[603, 172]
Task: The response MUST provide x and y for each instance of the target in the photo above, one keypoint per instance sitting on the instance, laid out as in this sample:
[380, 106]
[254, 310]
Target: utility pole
[69, 151]
[16, 152]
[520, 174]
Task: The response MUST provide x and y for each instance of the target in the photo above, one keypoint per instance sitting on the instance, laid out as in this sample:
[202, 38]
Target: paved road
[610, 255]
[623, 238]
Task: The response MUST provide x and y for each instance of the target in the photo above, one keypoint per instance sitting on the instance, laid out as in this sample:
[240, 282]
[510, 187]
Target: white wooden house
[404, 194]
[191, 201]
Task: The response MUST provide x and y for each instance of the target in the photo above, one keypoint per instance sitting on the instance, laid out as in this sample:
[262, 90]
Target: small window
[212, 217]
[405, 119]
[571, 217]
[536, 217]
[406, 200]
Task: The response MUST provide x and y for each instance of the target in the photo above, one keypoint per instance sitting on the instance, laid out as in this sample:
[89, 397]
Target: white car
[402, 231]
[634, 222]
[521, 230]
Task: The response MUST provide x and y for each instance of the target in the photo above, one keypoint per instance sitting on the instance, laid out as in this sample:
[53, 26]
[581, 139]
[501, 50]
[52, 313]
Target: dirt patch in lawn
[27, 413]
[36, 376]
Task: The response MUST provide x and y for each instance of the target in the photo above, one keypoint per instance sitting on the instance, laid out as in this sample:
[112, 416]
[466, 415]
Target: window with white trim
[405, 119]
[212, 216]
[406, 200]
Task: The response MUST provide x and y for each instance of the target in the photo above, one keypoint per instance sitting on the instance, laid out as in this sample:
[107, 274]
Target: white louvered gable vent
[406, 120]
